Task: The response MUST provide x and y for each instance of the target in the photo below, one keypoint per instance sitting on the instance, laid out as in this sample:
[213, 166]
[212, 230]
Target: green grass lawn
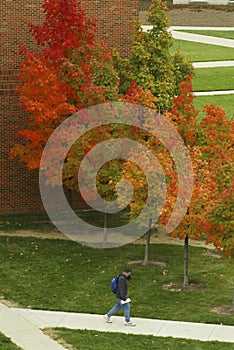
[63, 275]
[197, 52]
[89, 340]
[217, 33]
[6, 344]
[212, 79]
[224, 101]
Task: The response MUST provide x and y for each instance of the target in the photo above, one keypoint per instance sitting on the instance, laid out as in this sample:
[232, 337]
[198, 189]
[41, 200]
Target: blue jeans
[118, 306]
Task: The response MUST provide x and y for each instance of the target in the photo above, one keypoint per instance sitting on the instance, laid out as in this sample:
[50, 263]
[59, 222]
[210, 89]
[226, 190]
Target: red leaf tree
[71, 71]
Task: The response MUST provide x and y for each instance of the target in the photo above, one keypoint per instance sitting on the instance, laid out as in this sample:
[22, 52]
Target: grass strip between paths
[224, 101]
[213, 79]
[198, 52]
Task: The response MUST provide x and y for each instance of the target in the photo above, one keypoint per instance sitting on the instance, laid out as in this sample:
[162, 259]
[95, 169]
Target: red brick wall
[19, 191]
[114, 20]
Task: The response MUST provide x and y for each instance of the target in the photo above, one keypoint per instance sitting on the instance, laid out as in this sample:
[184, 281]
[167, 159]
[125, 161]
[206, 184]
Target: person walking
[122, 300]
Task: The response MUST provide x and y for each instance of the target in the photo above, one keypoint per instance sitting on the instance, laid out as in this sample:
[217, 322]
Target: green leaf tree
[151, 65]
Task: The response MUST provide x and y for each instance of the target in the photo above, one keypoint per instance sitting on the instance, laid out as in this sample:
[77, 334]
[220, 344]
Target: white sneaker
[130, 324]
[107, 318]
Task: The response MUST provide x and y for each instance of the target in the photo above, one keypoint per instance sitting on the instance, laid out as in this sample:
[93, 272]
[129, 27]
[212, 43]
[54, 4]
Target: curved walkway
[205, 39]
[24, 327]
[226, 29]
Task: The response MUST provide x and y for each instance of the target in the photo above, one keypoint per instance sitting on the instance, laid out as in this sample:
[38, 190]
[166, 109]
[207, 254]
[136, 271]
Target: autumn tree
[184, 116]
[217, 141]
[209, 142]
[72, 71]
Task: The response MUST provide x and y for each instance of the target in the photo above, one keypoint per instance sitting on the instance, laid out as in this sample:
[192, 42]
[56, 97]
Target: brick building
[19, 190]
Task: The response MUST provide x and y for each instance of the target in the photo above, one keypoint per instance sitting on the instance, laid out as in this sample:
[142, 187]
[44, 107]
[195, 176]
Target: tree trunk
[233, 300]
[186, 241]
[105, 228]
[146, 259]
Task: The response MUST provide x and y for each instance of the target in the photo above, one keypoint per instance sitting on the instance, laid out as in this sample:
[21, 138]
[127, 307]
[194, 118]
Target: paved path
[23, 332]
[213, 64]
[226, 29]
[24, 326]
[204, 39]
[213, 93]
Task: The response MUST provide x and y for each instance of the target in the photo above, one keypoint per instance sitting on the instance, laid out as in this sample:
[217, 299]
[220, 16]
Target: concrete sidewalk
[223, 29]
[213, 64]
[24, 327]
[213, 93]
[23, 332]
[204, 39]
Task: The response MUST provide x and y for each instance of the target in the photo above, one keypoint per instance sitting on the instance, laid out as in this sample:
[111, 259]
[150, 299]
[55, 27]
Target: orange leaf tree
[184, 116]
[217, 138]
[210, 144]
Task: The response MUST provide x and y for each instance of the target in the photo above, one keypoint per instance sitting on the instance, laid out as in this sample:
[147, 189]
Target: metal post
[146, 260]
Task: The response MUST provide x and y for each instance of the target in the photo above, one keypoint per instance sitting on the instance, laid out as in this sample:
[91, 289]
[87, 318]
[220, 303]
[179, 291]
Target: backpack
[114, 284]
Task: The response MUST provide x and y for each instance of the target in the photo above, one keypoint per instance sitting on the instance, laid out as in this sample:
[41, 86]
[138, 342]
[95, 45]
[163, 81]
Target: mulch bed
[158, 264]
[224, 310]
[180, 287]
